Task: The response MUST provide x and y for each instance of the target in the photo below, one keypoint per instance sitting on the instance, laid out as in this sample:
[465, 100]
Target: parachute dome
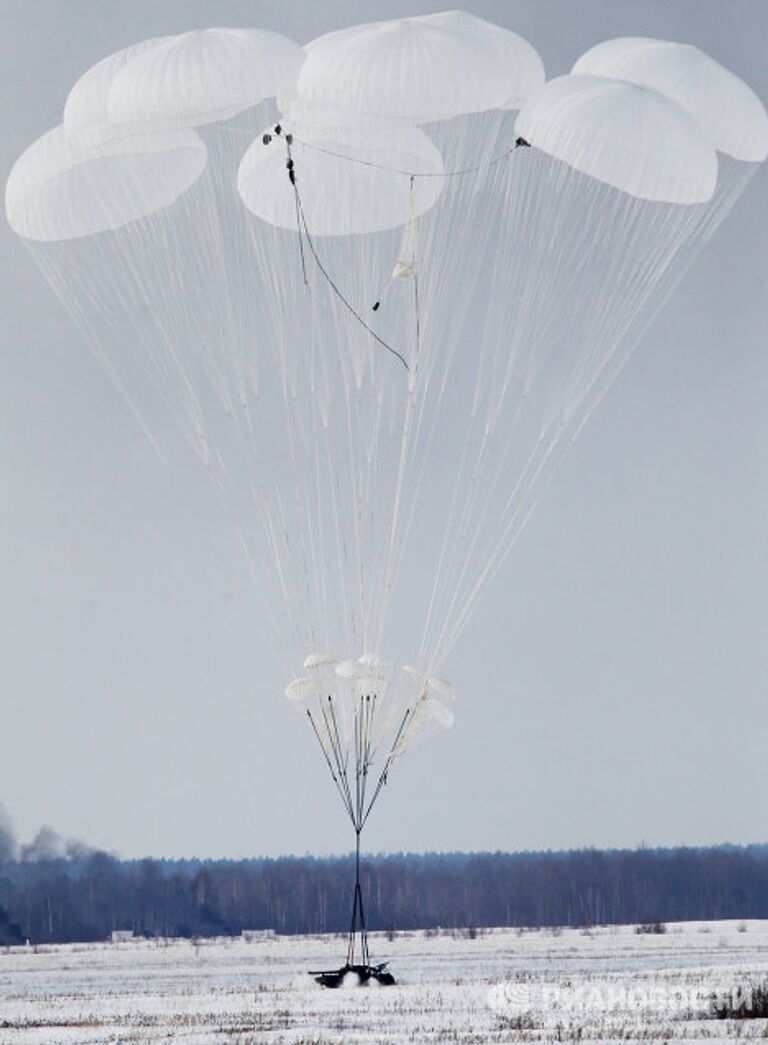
[203, 76]
[626, 136]
[57, 191]
[85, 112]
[728, 110]
[353, 182]
[431, 67]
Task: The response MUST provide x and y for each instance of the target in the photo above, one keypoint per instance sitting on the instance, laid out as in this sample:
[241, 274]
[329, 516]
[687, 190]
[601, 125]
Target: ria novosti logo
[524, 996]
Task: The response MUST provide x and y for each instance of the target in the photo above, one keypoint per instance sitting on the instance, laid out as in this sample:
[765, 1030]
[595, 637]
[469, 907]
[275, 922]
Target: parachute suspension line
[594, 390]
[361, 573]
[338, 751]
[329, 280]
[602, 382]
[363, 722]
[304, 228]
[473, 518]
[417, 309]
[306, 512]
[473, 493]
[440, 246]
[274, 631]
[387, 764]
[664, 236]
[334, 777]
[405, 266]
[358, 809]
[357, 511]
[82, 324]
[514, 525]
[321, 542]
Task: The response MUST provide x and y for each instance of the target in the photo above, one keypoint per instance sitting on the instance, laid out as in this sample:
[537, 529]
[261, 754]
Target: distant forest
[86, 895]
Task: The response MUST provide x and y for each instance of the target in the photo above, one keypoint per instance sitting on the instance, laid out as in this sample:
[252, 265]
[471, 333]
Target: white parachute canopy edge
[422, 69]
[627, 136]
[728, 110]
[57, 191]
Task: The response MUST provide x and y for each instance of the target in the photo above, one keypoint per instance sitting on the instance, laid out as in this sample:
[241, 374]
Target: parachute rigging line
[350, 308]
[303, 227]
[325, 728]
[389, 760]
[519, 142]
[344, 795]
[292, 179]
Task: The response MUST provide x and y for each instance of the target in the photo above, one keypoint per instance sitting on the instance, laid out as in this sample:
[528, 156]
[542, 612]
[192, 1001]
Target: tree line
[85, 895]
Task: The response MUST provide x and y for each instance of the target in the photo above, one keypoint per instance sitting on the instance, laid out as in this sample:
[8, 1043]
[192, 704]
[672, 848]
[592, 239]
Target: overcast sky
[612, 686]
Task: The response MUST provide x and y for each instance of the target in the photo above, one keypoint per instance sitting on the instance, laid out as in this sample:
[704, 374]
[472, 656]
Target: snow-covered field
[505, 985]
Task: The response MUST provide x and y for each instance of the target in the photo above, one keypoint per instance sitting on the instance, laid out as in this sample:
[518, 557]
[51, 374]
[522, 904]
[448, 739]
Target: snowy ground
[601, 984]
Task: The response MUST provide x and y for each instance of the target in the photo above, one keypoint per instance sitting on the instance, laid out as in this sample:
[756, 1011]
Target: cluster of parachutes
[380, 282]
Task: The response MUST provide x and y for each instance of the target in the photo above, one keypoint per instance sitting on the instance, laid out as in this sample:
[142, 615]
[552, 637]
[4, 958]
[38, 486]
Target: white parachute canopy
[308, 120]
[728, 110]
[57, 191]
[346, 179]
[431, 67]
[203, 76]
[85, 113]
[626, 136]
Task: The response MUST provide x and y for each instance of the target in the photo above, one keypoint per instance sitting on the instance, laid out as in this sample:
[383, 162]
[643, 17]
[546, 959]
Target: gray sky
[612, 686]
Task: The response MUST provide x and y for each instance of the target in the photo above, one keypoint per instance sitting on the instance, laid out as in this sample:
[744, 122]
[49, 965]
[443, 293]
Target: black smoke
[7, 837]
[46, 845]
